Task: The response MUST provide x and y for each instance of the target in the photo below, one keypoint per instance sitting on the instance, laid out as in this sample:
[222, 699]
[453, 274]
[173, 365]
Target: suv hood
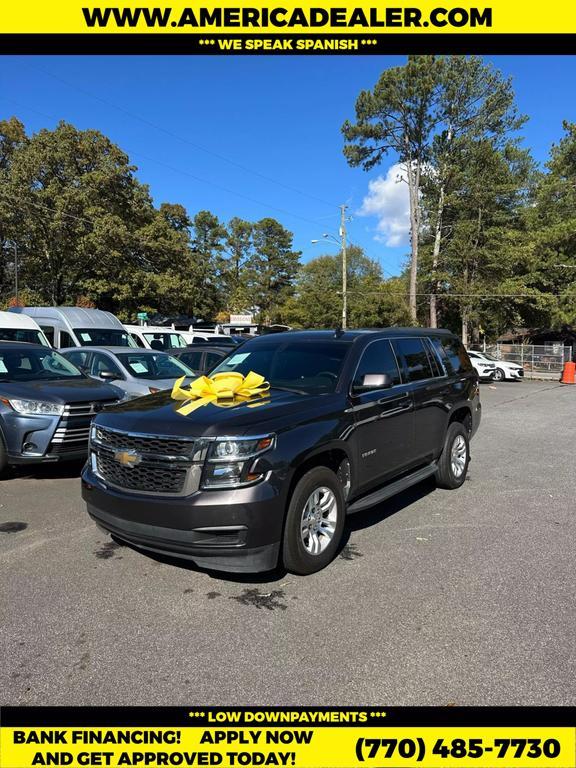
[72, 391]
[157, 414]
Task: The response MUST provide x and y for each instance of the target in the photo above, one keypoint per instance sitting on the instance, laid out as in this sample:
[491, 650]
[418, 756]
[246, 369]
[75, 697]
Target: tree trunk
[413, 191]
[436, 258]
[465, 327]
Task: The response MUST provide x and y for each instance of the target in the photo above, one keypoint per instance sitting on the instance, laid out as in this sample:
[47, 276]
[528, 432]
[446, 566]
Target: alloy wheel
[458, 456]
[318, 522]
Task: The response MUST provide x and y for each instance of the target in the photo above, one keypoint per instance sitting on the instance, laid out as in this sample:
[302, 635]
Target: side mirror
[374, 381]
[108, 376]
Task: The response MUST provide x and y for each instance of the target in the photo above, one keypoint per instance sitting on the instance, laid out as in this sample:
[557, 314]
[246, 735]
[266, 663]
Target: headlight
[235, 448]
[230, 461]
[36, 407]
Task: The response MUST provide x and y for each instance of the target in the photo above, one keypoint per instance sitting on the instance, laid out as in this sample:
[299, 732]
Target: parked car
[503, 370]
[136, 371]
[484, 368]
[199, 337]
[21, 328]
[222, 340]
[351, 418]
[46, 405]
[77, 327]
[202, 358]
[156, 337]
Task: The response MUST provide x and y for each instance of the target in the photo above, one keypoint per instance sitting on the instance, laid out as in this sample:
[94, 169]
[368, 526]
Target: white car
[503, 370]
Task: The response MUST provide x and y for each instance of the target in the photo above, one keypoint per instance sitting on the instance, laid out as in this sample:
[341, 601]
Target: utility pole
[344, 267]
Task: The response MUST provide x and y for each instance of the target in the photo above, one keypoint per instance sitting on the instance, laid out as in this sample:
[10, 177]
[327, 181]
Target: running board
[391, 490]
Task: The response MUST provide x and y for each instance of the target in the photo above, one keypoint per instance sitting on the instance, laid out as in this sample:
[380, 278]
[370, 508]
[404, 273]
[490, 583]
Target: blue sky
[257, 136]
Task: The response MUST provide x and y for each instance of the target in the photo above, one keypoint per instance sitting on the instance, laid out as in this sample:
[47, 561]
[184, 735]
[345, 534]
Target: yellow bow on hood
[229, 387]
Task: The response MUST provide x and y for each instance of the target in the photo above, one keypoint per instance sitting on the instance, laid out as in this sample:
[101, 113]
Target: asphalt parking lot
[438, 597]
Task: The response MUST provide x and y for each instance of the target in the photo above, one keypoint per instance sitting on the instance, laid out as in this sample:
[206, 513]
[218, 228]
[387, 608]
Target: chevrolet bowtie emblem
[127, 458]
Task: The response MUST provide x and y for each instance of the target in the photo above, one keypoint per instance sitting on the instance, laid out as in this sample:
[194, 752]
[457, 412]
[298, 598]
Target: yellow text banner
[334, 17]
[301, 747]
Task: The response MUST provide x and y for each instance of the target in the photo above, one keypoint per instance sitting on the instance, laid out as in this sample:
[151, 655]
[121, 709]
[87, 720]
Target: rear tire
[314, 522]
[453, 464]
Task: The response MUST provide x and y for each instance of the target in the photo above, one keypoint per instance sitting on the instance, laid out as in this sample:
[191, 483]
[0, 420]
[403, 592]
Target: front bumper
[237, 530]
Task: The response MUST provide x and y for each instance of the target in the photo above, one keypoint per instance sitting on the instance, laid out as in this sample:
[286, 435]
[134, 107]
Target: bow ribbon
[229, 387]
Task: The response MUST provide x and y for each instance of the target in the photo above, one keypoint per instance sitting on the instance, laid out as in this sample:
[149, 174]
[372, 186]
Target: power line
[167, 132]
[184, 172]
[486, 296]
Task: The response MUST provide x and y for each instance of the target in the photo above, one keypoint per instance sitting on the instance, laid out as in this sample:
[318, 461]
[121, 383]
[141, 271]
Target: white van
[15, 327]
[77, 327]
[156, 337]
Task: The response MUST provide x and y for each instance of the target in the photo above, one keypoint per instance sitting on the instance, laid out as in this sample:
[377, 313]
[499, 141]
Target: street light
[342, 245]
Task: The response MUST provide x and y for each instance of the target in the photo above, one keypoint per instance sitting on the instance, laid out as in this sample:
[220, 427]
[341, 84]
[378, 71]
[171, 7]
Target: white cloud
[387, 199]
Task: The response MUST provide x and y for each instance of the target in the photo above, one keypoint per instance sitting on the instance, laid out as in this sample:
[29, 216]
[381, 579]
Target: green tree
[238, 251]
[271, 269]
[399, 116]
[475, 103]
[485, 250]
[205, 296]
[552, 228]
[372, 302]
[12, 138]
[72, 197]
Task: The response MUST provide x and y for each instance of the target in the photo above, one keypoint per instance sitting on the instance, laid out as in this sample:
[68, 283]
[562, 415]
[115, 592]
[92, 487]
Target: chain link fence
[538, 360]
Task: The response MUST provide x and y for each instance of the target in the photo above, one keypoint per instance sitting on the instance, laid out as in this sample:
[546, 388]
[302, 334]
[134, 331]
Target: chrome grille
[85, 409]
[144, 444]
[144, 477]
[163, 464]
[73, 429]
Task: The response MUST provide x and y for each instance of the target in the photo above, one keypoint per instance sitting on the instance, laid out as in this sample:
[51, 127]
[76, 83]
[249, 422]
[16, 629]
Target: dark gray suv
[350, 419]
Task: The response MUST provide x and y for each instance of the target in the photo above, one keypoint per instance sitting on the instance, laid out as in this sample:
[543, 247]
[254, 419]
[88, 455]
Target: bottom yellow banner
[302, 746]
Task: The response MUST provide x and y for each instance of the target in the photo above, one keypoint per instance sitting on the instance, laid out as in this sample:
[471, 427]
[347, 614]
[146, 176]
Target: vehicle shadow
[47, 471]
[346, 551]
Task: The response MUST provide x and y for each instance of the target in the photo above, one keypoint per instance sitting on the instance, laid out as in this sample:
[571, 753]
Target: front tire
[3, 456]
[314, 522]
[453, 464]
[499, 375]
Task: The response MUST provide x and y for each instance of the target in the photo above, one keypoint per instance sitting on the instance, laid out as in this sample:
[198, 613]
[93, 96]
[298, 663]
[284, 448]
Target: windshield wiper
[288, 389]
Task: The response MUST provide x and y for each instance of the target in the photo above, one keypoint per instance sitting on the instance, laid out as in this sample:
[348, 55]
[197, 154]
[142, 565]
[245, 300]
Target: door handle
[396, 399]
[393, 411]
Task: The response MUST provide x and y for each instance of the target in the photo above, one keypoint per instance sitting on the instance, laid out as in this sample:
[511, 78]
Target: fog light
[30, 448]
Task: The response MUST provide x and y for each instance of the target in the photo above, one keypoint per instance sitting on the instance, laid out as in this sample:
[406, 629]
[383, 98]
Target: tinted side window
[437, 355]
[192, 359]
[377, 358]
[66, 340]
[414, 359]
[457, 357]
[102, 363]
[79, 359]
[212, 359]
[49, 333]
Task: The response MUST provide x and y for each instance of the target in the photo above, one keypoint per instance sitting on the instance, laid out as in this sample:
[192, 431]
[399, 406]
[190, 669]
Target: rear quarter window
[456, 358]
[413, 357]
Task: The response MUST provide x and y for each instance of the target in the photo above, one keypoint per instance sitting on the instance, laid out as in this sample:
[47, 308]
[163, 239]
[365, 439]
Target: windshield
[104, 337]
[151, 366]
[487, 356]
[35, 365]
[27, 335]
[311, 367]
[165, 340]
